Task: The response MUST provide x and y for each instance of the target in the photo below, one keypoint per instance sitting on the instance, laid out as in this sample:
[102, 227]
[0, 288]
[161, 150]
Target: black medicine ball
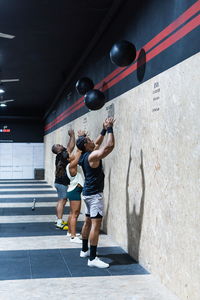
[94, 99]
[83, 85]
[122, 53]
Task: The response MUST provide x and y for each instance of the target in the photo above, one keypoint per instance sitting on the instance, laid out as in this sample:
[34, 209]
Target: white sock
[59, 222]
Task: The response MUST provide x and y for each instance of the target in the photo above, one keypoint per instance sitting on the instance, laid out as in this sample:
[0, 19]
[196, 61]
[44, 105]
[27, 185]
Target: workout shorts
[94, 205]
[61, 190]
[75, 195]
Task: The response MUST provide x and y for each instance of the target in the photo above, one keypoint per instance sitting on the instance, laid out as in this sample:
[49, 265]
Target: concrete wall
[152, 188]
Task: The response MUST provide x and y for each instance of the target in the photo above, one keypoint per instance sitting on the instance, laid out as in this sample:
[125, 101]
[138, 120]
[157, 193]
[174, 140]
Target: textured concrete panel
[152, 188]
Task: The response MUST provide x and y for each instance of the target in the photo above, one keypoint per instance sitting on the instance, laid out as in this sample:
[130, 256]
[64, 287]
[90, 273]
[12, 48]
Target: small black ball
[94, 99]
[83, 85]
[122, 53]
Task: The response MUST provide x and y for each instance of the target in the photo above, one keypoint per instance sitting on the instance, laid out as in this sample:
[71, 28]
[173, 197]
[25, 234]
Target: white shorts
[94, 205]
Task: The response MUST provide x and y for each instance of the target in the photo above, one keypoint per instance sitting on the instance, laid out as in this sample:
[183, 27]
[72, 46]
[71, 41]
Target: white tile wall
[18, 160]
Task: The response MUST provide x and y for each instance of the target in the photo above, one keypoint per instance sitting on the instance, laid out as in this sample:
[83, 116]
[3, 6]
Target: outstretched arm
[74, 163]
[71, 143]
[100, 138]
[96, 155]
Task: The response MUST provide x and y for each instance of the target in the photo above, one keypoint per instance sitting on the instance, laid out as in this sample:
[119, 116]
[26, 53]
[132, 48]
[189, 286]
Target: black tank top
[94, 177]
[64, 180]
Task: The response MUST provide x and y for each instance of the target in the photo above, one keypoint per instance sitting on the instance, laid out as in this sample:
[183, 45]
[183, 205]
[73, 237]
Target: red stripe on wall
[174, 25]
[127, 71]
[157, 50]
[159, 37]
[65, 115]
[60, 117]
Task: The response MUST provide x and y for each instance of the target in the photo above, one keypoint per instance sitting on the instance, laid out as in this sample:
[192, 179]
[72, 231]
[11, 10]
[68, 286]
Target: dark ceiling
[50, 39]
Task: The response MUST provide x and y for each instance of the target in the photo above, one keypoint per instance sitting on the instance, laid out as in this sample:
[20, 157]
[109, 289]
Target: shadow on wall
[134, 219]
[105, 218]
[141, 65]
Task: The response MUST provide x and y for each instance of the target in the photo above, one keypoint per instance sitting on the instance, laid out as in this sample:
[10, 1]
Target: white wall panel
[18, 160]
[17, 175]
[28, 172]
[38, 156]
[5, 154]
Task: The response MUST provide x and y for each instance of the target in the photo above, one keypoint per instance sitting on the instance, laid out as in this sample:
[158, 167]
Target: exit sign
[5, 130]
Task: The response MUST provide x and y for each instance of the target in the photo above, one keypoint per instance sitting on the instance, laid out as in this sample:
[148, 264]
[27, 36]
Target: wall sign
[156, 96]
[5, 129]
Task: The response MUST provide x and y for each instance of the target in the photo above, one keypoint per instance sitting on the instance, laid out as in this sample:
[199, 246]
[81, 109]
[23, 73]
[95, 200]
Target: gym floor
[37, 259]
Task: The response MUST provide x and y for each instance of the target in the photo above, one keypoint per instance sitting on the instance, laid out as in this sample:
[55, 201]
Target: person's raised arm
[100, 138]
[74, 162]
[71, 143]
[96, 155]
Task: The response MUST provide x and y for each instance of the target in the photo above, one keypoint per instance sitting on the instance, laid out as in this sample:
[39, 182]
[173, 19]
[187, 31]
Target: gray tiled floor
[21, 211]
[27, 199]
[13, 192]
[36, 186]
[38, 261]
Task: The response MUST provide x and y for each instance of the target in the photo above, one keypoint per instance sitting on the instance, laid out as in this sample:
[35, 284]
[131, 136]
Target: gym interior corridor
[124, 73]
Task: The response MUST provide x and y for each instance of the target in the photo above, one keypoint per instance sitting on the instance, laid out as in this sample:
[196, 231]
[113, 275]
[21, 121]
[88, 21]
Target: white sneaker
[97, 263]
[75, 240]
[69, 234]
[85, 254]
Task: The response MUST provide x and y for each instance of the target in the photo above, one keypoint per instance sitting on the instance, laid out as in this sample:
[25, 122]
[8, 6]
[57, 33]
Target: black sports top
[94, 177]
[64, 180]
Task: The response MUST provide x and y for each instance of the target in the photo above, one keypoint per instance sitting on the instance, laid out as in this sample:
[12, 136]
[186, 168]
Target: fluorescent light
[1, 91]
[6, 36]
[5, 101]
[9, 80]
[3, 105]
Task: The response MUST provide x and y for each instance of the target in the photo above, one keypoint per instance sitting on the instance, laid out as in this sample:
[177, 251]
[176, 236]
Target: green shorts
[75, 195]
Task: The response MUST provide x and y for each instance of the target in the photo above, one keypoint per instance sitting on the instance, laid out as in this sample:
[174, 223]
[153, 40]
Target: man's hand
[70, 132]
[99, 153]
[82, 133]
[105, 124]
[110, 122]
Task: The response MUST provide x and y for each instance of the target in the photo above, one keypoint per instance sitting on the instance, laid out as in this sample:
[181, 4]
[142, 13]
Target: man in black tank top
[61, 179]
[91, 162]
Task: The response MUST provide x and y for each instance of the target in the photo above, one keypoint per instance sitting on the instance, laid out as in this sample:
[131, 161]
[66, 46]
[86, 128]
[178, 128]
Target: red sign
[5, 130]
